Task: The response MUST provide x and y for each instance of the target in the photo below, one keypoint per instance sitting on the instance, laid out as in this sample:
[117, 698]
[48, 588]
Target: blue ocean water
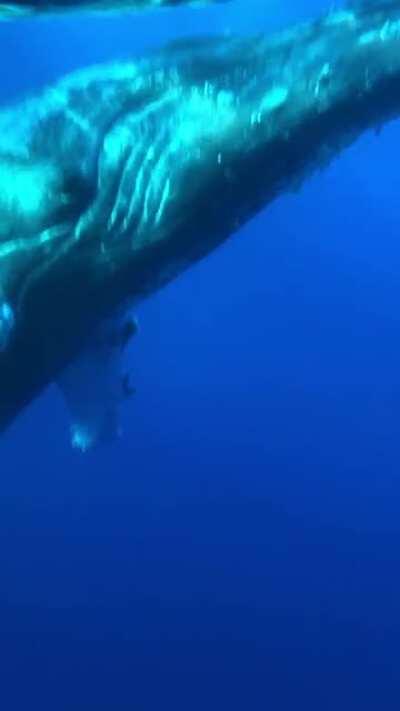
[240, 547]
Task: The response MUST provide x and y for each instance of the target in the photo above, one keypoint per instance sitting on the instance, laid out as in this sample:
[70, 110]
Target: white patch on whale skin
[94, 386]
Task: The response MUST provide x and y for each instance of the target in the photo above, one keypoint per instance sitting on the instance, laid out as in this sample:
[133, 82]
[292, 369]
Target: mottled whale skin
[23, 8]
[115, 180]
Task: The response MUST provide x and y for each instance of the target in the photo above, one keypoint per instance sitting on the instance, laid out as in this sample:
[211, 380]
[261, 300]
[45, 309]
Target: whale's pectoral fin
[94, 384]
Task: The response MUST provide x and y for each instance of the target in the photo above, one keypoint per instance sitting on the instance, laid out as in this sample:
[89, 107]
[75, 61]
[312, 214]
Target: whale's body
[118, 178]
[23, 8]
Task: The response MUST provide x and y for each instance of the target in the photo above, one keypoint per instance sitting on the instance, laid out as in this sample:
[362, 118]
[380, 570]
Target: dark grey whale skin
[276, 109]
[20, 8]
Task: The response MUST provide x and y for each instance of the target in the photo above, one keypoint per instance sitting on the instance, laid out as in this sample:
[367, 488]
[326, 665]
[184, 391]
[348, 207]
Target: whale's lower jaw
[265, 154]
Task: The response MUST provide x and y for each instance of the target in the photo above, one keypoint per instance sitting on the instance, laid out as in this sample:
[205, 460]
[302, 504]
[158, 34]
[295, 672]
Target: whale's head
[31, 195]
[39, 205]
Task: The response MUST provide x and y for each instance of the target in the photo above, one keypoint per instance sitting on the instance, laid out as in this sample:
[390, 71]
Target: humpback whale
[119, 177]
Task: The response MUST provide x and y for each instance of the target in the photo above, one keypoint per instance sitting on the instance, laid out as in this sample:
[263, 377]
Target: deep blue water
[240, 547]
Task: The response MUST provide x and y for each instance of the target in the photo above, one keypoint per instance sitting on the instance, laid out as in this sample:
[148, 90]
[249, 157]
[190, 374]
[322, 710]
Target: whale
[121, 176]
[25, 8]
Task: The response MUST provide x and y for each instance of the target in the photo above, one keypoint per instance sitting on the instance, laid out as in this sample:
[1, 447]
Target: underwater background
[239, 548]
